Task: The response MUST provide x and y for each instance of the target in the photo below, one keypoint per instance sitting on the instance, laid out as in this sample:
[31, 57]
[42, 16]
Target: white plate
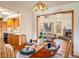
[51, 48]
[29, 50]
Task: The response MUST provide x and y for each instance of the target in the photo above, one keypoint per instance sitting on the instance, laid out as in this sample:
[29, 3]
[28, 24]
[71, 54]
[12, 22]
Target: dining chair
[23, 39]
[68, 48]
[9, 51]
[64, 53]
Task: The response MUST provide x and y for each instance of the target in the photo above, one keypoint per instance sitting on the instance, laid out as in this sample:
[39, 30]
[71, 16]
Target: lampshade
[40, 7]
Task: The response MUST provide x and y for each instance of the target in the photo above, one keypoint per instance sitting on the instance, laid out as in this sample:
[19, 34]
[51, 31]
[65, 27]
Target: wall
[75, 7]
[26, 16]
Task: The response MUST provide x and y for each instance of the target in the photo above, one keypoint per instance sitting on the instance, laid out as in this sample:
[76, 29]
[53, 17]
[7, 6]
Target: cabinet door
[9, 38]
[15, 40]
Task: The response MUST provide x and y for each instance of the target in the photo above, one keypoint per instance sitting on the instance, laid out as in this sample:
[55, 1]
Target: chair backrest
[23, 39]
[67, 51]
[9, 51]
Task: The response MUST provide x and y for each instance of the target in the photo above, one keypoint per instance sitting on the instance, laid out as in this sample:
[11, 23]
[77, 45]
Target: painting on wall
[52, 27]
[58, 27]
[47, 27]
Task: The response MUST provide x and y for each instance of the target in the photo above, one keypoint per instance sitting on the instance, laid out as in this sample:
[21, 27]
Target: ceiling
[29, 4]
[7, 13]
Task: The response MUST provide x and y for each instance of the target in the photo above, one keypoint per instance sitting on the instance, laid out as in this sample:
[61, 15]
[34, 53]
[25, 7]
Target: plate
[27, 51]
[51, 48]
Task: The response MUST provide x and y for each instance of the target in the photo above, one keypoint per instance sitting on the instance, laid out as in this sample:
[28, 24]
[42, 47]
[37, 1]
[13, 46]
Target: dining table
[40, 52]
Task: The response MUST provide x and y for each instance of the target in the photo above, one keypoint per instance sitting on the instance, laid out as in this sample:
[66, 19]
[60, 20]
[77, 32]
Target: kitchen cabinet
[13, 39]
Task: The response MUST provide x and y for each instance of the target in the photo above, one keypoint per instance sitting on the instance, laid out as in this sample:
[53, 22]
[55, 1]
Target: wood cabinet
[13, 39]
[9, 38]
[10, 26]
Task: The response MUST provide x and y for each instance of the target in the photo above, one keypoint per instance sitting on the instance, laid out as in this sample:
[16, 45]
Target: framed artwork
[58, 27]
[47, 26]
[52, 27]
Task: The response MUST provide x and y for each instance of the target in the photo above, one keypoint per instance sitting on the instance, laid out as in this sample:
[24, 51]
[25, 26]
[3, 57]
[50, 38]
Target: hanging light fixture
[40, 7]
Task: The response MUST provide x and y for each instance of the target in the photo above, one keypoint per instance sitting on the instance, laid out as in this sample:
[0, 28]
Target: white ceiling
[29, 4]
[7, 13]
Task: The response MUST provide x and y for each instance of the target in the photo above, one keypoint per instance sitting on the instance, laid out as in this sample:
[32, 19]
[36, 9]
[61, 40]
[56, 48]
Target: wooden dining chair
[64, 53]
[9, 51]
[68, 48]
[23, 39]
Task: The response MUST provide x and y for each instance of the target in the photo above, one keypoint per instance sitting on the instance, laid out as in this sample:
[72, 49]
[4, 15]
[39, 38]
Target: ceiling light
[40, 6]
[1, 9]
[6, 13]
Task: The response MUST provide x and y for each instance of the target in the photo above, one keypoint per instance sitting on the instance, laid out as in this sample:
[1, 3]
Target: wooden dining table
[40, 52]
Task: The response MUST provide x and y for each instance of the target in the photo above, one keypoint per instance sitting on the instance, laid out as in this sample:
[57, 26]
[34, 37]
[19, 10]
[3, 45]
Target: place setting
[27, 50]
[30, 48]
[50, 47]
